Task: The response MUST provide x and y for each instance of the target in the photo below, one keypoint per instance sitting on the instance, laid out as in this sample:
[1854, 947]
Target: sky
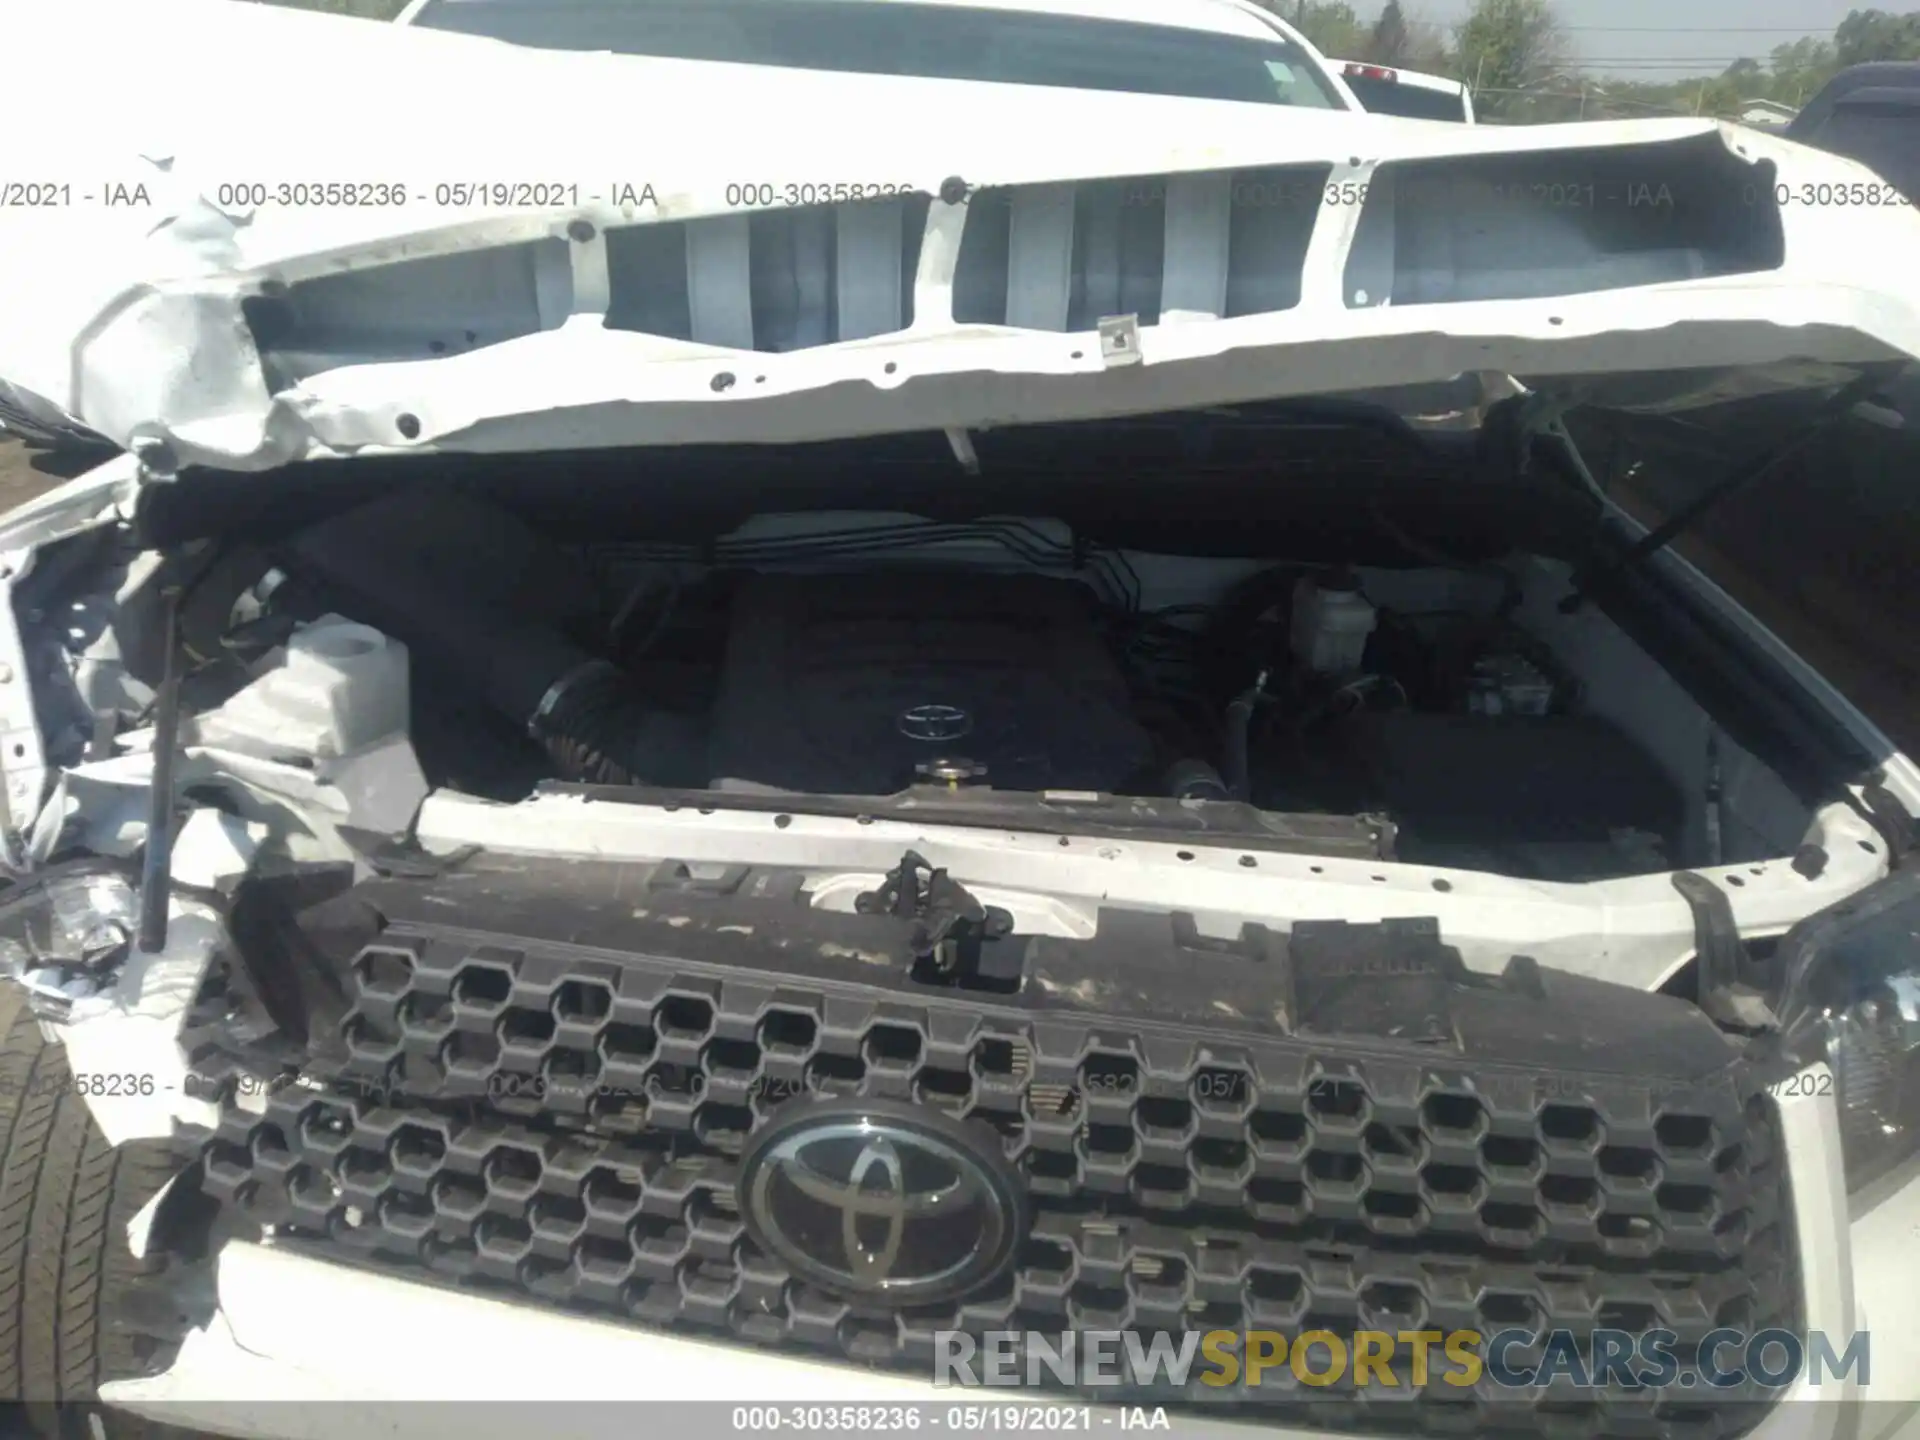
[1665, 39]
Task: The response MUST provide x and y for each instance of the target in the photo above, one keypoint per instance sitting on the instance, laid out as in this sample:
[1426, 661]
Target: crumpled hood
[276, 235]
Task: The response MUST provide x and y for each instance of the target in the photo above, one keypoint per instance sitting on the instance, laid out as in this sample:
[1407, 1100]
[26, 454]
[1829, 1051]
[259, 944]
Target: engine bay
[868, 682]
[876, 655]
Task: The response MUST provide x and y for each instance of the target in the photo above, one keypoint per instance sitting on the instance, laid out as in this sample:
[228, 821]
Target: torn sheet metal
[133, 1030]
[63, 934]
[303, 809]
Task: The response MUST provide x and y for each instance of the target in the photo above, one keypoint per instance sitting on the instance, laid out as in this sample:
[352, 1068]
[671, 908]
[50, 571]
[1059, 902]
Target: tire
[66, 1198]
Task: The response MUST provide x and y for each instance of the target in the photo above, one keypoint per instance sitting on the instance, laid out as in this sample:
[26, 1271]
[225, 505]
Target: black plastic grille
[567, 1127]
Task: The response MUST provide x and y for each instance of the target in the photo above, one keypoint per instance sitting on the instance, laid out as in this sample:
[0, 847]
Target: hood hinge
[159, 463]
[1887, 815]
[1510, 427]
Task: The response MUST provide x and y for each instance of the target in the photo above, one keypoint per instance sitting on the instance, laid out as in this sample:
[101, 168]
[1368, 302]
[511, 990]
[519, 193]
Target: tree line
[1517, 57]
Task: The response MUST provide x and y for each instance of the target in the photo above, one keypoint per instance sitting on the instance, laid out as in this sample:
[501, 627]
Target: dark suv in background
[1869, 113]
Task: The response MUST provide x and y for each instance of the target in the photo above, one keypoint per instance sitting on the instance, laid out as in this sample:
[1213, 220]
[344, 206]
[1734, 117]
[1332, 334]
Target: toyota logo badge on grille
[882, 1200]
[935, 724]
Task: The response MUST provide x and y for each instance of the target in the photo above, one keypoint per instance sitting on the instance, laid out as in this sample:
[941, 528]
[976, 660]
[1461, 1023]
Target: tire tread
[66, 1199]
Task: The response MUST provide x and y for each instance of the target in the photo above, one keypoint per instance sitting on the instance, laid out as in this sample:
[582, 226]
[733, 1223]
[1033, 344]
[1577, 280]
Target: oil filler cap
[951, 771]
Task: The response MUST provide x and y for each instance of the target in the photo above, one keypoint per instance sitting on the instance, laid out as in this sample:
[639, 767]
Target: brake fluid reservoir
[1331, 622]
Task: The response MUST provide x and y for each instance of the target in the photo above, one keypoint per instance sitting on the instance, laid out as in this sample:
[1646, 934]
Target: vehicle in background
[1765, 114]
[1200, 49]
[1869, 113]
[1414, 94]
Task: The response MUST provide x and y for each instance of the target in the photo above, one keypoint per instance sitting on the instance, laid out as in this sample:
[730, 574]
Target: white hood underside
[1601, 259]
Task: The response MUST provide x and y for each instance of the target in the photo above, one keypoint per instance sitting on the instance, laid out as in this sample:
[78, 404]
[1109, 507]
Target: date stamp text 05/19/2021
[1217, 1085]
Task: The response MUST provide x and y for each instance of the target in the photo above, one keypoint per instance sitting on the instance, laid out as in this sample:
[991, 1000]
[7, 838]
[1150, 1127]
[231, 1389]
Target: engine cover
[842, 684]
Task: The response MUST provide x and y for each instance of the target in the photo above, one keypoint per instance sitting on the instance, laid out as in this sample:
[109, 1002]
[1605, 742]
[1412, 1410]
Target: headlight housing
[1853, 988]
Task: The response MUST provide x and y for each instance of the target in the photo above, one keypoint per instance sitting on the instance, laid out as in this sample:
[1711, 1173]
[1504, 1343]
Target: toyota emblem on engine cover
[935, 723]
[882, 1200]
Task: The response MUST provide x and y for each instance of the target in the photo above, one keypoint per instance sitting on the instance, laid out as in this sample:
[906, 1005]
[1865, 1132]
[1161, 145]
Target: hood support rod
[156, 869]
[1831, 414]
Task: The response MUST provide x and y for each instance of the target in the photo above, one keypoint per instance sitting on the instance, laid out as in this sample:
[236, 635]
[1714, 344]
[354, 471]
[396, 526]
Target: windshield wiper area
[1046, 812]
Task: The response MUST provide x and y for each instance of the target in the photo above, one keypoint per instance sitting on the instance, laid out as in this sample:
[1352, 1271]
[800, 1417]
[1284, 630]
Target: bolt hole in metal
[409, 426]
[723, 381]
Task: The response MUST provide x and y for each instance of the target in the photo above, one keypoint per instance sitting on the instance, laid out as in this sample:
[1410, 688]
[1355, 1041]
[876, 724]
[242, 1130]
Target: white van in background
[1418, 96]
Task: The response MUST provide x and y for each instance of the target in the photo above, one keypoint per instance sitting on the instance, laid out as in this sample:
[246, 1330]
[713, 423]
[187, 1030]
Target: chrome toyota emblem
[882, 1200]
[935, 723]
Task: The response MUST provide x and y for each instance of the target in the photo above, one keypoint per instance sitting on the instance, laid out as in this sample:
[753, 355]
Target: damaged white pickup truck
[674, 766]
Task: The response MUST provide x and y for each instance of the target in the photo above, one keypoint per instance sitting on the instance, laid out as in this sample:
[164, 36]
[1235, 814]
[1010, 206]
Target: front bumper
[290, 1331]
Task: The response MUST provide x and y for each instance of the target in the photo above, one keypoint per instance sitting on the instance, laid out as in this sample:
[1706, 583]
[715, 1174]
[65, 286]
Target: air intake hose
[483, 600]
[591, 718]
[600, 730]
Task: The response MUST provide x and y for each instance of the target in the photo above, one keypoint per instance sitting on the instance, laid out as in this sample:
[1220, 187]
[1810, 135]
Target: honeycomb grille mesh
[568, 1128]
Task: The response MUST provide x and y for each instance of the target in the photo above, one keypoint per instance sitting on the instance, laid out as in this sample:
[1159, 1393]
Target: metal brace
[1721, 958]
[961, 442]
[1119, 340]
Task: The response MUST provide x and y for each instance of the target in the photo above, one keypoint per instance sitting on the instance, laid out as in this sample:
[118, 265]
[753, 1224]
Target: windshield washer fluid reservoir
[339, 687]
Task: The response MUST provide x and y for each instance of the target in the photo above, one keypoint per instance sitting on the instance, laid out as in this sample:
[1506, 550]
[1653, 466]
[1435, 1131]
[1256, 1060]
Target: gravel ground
[25, 471]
